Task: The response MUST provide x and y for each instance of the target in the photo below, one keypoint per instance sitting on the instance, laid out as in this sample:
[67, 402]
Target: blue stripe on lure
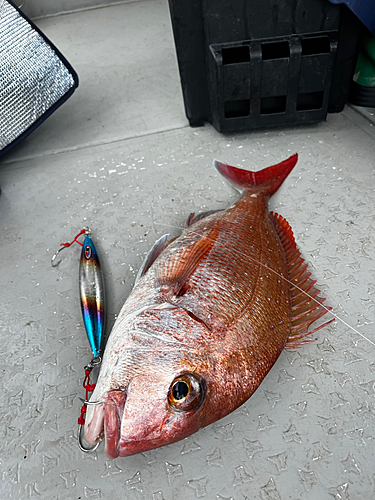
[91, 286]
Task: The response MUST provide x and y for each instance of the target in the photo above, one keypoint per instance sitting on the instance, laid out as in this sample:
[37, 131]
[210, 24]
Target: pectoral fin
[175, 272]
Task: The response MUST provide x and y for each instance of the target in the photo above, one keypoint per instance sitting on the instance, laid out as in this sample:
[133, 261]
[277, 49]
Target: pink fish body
[205, 322]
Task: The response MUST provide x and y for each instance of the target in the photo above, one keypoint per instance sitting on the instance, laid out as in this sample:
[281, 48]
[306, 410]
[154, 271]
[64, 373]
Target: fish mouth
[114, 410]
[106, 421]
[130, 432]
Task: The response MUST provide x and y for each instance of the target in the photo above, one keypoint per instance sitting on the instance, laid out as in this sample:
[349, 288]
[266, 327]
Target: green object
[362, 91]
[365, 69]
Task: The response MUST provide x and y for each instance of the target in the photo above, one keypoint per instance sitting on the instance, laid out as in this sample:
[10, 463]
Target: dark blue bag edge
[58, 103]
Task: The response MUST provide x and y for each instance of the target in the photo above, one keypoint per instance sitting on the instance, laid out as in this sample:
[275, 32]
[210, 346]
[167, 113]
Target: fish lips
[114, 410]
[139, 436]
[106, 422]
[106, 419]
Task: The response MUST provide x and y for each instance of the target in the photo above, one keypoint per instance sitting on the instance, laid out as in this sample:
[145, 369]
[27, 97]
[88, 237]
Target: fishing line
[327, 309]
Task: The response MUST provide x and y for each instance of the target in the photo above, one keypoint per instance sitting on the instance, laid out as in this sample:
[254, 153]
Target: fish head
[154, 411]
[160, 401]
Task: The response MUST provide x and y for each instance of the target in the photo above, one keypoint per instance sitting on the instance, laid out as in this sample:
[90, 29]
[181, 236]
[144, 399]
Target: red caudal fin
[269, 179]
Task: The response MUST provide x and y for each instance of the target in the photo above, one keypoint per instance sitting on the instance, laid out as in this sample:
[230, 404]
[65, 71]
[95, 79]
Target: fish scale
[223, 265]
[208, 317]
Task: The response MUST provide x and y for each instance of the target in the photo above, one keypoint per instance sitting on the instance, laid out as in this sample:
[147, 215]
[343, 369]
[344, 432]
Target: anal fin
[306, 304]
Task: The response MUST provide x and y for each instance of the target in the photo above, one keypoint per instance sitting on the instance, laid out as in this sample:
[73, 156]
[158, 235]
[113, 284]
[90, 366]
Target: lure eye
[88, 252]
[186, 392]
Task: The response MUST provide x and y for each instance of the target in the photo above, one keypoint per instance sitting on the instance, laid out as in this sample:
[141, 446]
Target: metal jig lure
[91, 287]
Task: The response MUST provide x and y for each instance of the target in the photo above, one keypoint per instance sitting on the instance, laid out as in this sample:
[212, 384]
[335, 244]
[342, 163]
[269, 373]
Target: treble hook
[81, 445]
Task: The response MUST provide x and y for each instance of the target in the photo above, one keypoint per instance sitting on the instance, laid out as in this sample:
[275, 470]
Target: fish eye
[180, 390]
[186, 392]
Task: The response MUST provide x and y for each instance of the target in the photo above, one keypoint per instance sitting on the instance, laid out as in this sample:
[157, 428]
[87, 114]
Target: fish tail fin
[269, 178]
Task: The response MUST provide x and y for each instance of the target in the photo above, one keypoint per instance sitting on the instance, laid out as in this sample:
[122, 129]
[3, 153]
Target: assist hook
[96, 360]
[54, 262]
[81, 446]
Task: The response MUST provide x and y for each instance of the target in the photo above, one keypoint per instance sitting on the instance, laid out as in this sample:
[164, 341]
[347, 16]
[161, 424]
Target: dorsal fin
[152, 255]
[305, 299]
[174, 273]
[192, 219]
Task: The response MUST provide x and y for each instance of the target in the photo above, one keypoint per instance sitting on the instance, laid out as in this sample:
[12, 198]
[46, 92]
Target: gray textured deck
[119, 157]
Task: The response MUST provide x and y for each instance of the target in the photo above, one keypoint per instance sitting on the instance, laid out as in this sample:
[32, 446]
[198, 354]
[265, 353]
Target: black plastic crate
[246, 64]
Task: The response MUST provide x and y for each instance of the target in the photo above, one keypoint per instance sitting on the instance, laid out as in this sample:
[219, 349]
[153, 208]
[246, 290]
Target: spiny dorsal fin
[305, 299]
[192, 219]
[174, 273]
[152, 255]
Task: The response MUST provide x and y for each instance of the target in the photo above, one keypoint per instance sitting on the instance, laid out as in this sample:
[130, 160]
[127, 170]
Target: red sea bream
[207, 319]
